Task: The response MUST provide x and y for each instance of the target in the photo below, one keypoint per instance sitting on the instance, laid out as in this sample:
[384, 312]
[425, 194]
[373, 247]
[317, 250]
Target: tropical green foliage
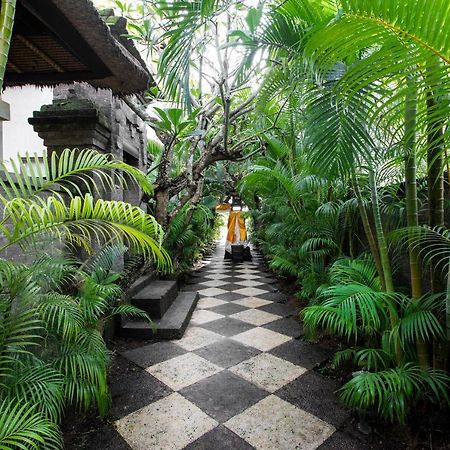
[53, 354]
[330, 119]
[53, 308]
[361, 90]
[188, 240]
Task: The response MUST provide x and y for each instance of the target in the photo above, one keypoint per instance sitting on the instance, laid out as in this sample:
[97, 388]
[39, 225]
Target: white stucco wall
[18, 135]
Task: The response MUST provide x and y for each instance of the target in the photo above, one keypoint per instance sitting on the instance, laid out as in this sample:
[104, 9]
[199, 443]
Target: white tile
[248, 276]
[211, 292]
[196, 337]
[252, 302]
[268, 371]
[183, 370]
[273, 423]
[250, 291]
[213, 283]
[209, 302]
[261, 338]
[170, 423]
[204, 316]
[256, 316]
[249, 283]
[216, 276]
[250, 270]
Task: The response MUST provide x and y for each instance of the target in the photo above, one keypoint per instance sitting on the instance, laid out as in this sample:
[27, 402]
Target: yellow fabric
[236, 216]
[223, 207]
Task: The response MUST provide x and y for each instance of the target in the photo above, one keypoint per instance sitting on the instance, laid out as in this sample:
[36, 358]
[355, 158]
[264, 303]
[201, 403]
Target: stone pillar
[4, 115]
[72, 123]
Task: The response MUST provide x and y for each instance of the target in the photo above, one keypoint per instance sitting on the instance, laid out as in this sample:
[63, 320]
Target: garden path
[240, 378]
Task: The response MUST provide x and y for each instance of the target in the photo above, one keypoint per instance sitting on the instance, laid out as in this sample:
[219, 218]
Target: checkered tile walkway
[240, 377]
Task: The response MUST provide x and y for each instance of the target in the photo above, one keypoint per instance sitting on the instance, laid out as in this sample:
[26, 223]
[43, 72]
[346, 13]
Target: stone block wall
[84, 117]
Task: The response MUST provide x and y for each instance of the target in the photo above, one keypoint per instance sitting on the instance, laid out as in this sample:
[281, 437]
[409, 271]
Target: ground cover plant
[53, 306]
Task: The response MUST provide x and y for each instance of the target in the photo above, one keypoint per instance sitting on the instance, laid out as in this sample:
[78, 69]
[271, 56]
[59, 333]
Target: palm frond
[24, 428]
[350, 310]
[185, 19]
[72, 171]
[100, 220]
[38, 384]
[391, 390]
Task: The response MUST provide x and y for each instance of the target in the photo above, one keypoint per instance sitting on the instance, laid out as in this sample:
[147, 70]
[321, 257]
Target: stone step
[140, 283]
[136, 329]
[175, 321]
[172, 325]
[155, 298]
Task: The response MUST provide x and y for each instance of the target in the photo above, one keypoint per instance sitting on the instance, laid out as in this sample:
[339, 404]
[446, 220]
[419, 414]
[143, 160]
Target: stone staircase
[169, 308]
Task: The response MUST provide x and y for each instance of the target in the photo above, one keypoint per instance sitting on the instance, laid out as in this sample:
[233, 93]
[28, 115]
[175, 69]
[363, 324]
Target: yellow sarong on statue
[237, 232]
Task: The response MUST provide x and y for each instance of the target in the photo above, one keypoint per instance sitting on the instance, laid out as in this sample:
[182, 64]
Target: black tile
[132, 388]
[223, 395]
[152, 354]
[230, 297]
[201, 279]
[228, 326]
[316, 394]
[220, 438]
[96, 437]
[267, 287]
[228, 273]
[302, 353]
[262, 273]
[341, 441]
[227, 353]
[201, 286]
[229, 287]
[228, 308]
[290, 327]
[230, 279]
[278, 297]
[278, 308]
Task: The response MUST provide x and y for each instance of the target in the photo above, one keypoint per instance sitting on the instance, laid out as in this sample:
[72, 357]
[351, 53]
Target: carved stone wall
[84, 117]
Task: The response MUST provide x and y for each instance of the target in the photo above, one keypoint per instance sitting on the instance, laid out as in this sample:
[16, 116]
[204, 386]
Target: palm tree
[7, 12]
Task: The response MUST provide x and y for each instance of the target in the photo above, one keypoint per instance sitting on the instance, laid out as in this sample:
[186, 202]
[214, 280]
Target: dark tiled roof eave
[110, 65]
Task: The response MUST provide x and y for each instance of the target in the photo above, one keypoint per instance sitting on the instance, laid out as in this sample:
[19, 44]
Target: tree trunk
[447, 306]
[162, 190]
[412, 207]
[435, 140]
[384, 255]
[379, 232]
[368, 230]
[6, 25]
[161, 209]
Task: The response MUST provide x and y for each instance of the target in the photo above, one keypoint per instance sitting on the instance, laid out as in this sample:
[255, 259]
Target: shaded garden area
[326, 123]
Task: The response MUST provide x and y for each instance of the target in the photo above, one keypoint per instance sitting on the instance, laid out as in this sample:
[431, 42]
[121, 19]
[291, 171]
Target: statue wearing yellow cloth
[237, 234]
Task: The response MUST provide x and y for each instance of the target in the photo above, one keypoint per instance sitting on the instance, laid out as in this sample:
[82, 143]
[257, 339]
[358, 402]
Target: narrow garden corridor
[240, 378]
